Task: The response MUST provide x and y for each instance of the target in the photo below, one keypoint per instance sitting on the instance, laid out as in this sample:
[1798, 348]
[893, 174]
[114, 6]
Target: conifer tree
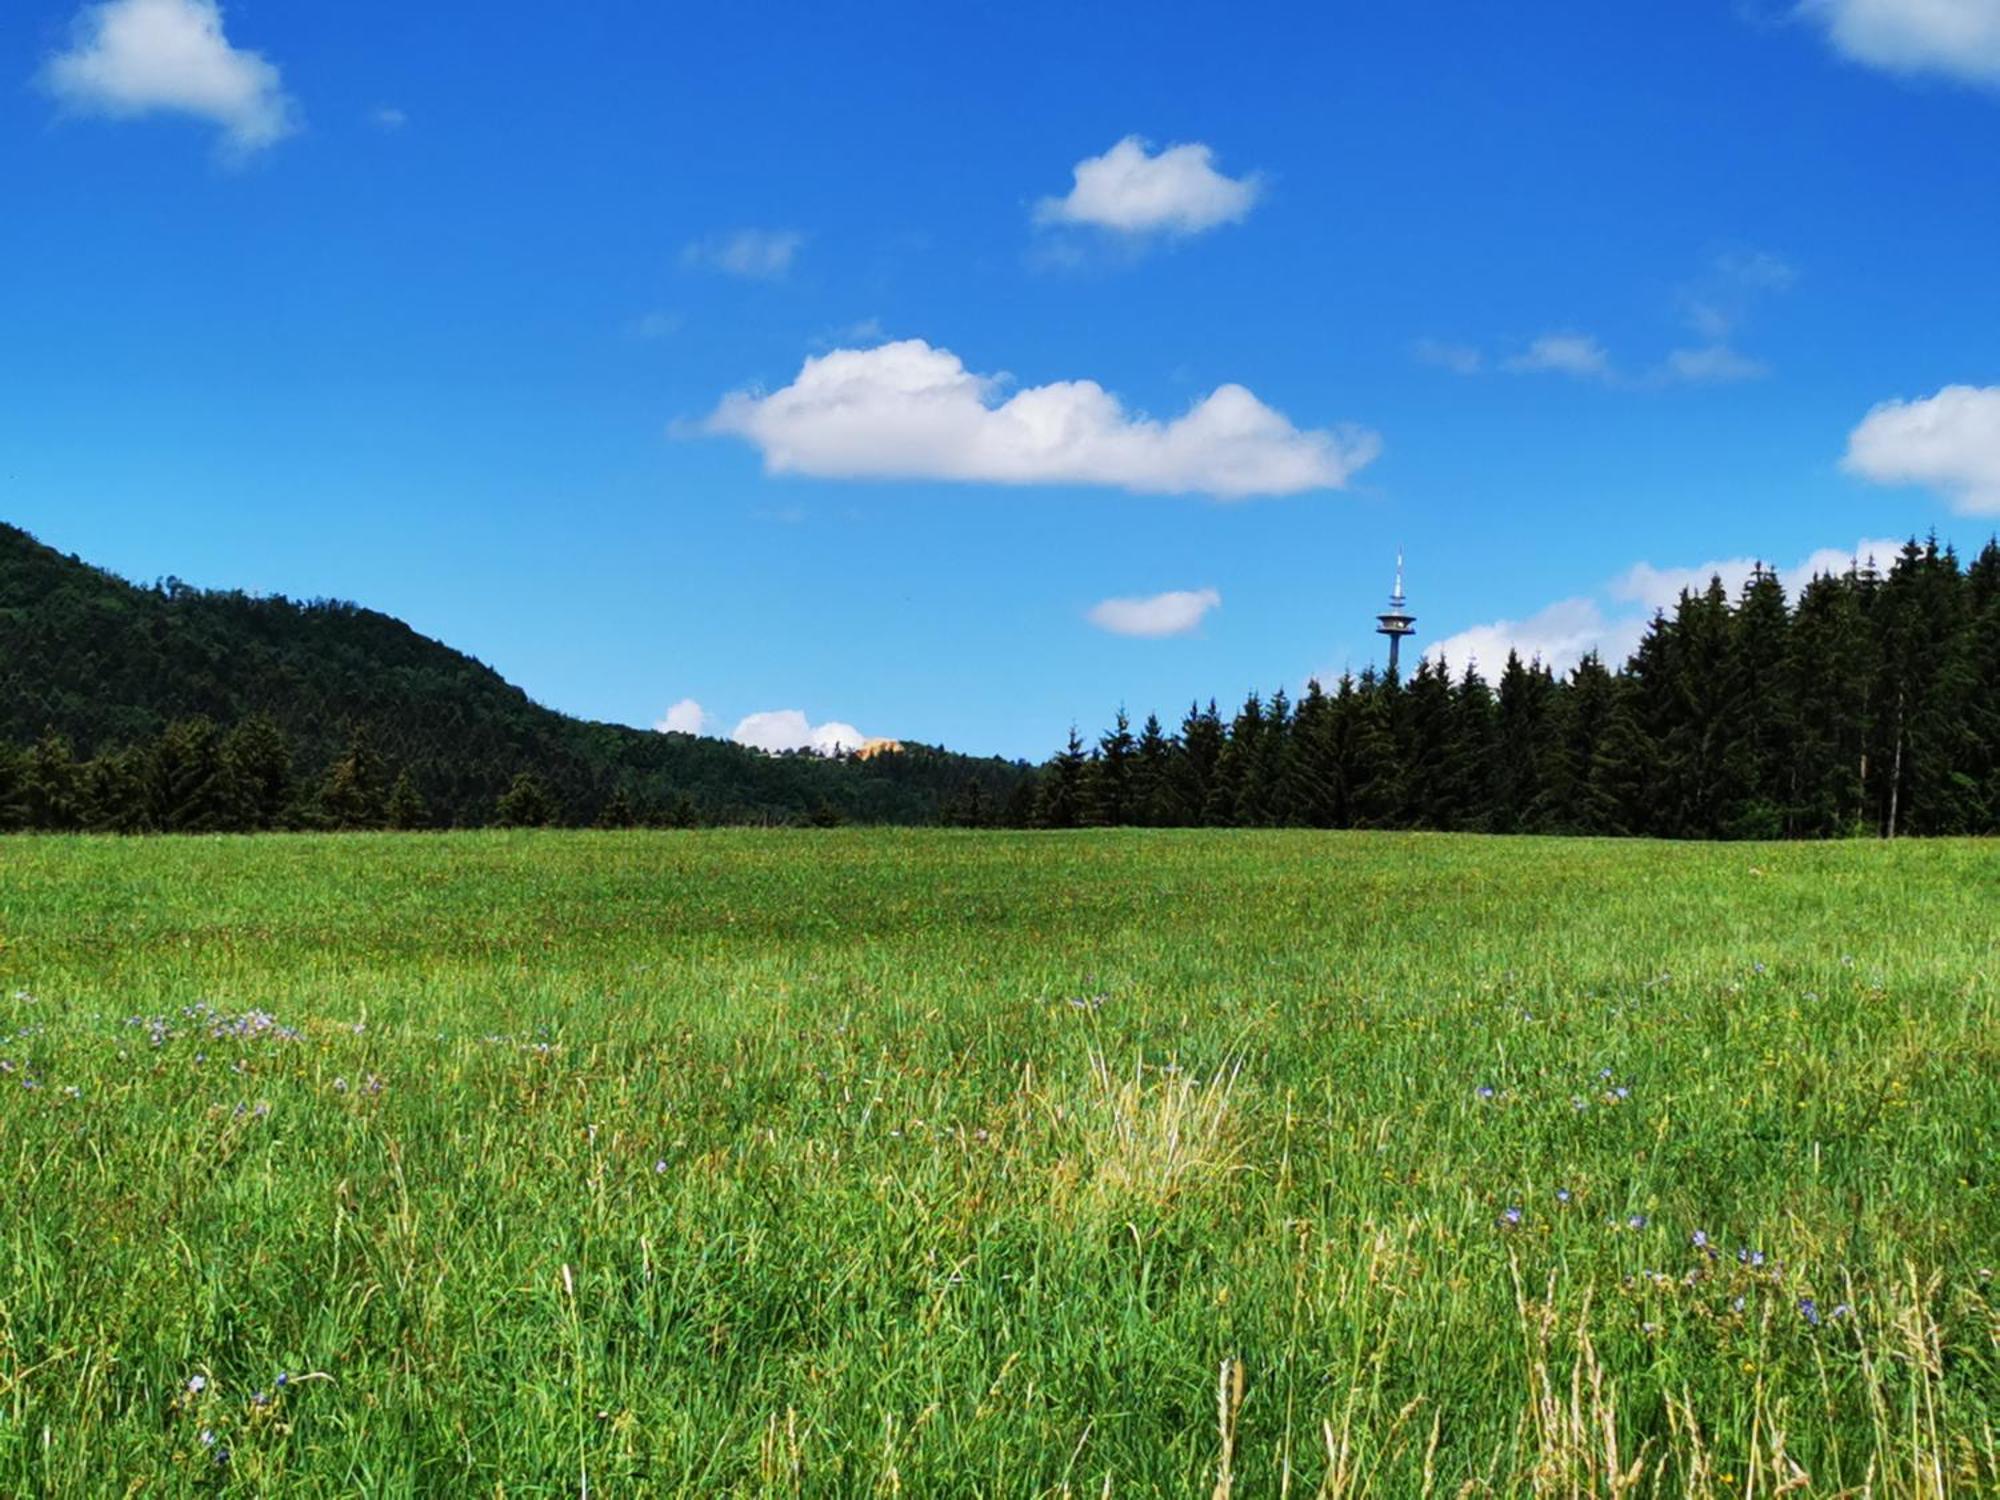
[525, 804]
[261, 760]
[1428, 787]
[1152, 770]
[194, 786]
[1107, 790]
[13, 789]
[1472, 760]
[354, 794]
[53, 786]
[1376, 778]
[1060, 803]
[1194, 769]
[1759, 786]
[406, 810]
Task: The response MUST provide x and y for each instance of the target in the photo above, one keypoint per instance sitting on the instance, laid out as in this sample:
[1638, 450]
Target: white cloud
[1460, 359]
[1178, 191]
[908, 411]
[658, 325]
[1561, 634]
[1661, 588]
[1174, 613]
[782, 729]
[758, 254]
[1715, 364]
[685, 717]
[1575, 354]
[1960, 38]
[1948, 442]
[387, 117]
[139, 57]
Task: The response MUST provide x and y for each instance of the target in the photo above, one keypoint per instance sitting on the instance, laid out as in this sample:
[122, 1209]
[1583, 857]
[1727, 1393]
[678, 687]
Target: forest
[167, 708]
[1870, 705]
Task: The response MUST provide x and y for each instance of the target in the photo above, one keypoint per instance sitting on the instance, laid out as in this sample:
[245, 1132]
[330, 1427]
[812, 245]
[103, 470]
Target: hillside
[106, 664]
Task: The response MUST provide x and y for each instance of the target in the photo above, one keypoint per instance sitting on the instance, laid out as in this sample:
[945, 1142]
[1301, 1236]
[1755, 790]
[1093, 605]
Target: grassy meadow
[923, 1163]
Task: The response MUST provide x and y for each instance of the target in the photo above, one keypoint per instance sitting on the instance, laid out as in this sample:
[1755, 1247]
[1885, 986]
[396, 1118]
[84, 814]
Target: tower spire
[1396, 622]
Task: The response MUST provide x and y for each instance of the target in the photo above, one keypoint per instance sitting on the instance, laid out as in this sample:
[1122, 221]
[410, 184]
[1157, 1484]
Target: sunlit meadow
[932, 1163]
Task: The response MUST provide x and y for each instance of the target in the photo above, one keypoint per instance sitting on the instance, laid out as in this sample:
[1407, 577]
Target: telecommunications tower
[1396, 622]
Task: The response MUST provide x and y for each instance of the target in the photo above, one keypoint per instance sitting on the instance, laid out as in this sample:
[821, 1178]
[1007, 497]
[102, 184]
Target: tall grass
[927, 1163]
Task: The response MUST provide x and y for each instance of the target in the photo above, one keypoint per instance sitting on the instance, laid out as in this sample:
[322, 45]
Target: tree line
[1870, 705]
[170, 708]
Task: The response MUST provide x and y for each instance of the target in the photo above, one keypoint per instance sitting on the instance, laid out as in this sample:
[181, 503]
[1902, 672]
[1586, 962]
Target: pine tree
[1760, 788]
[406, 810]
[1236, 793]
[1153, 798]
[1588, 706]
[1273, 755]
[53, 786]
[354, 794]
[261, 759]
[1472, 758]
[1195, 767]
[1305, 785]
[115, 794]
[1376, 798]
[1060, 803]
[1107, 794]
[1830, 668]
[13, 789]
[525, 804]
[194, 786]
[1620, 785]
[1429, 799]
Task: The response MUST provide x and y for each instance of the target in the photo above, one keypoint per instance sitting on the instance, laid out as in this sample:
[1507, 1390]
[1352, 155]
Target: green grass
[866, 1162]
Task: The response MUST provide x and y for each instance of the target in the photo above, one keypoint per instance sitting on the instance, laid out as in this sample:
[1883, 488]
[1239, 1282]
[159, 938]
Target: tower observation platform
[1396, 622]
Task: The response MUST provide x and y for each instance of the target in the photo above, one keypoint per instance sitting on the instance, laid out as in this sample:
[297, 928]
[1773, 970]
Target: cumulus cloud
[131, 58]
[1130, 191]
[685, 717]
[756, 254]
[1559, 635]
[387, 117]
[1958, 38]
[1949, 442]
[1575, 354]
[781, 729]
[1614, 620]
[1173, 613]
[906, 410]
[1661, 588]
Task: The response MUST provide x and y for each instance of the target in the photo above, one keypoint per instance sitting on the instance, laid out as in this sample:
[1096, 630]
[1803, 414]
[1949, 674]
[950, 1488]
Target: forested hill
[124, 706]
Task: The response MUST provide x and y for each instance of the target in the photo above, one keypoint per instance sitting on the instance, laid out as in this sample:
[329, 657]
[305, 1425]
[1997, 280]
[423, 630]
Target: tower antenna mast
[1396, 622]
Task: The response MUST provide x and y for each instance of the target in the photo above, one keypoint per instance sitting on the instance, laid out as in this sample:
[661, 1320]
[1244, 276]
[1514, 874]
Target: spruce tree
[1152, 771]
[13, 789]
[1194, 769]
[406, 810]
[354, 794]
[1060, 800]
[525, 804]
[1760, 787]
[1108, 788]
[194, 786]
[261, 758]
[53, 786]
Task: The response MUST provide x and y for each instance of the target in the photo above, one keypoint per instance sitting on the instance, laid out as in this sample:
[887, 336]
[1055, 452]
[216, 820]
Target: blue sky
[500, 322]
